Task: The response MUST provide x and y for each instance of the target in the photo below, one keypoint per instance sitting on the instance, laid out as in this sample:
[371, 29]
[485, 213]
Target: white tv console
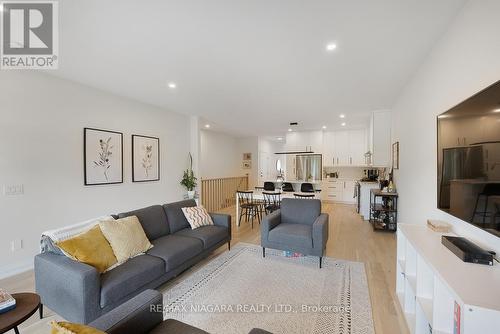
[430, 279]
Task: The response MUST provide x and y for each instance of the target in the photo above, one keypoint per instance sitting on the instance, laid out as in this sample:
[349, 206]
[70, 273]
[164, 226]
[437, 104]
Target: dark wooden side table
[26, 305]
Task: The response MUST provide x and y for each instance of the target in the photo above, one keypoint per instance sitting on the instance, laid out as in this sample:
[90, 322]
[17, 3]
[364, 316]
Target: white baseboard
[18, 268]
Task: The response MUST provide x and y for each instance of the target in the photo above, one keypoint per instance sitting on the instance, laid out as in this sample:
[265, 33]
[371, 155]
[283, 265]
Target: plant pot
[191, 194]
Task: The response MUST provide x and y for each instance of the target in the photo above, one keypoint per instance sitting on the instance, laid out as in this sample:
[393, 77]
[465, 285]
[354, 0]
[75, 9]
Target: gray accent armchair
[299, 226]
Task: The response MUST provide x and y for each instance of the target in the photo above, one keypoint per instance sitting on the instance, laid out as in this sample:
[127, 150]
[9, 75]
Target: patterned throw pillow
[197, 216]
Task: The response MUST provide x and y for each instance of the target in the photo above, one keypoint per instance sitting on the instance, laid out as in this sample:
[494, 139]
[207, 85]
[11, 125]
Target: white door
[263, 167]
[357, 147]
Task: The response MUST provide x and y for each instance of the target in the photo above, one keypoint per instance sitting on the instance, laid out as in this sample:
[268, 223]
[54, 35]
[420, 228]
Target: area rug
[239, 290]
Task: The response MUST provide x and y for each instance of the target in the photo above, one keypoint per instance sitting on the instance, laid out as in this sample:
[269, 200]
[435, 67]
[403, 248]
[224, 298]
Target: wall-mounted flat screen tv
[469, 160]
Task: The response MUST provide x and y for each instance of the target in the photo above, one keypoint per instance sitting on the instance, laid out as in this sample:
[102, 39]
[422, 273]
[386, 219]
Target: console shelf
[434, 286]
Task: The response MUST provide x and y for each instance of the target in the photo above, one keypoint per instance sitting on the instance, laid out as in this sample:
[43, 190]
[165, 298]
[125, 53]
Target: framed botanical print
[102, 156]
[395, 155]
[145, 158]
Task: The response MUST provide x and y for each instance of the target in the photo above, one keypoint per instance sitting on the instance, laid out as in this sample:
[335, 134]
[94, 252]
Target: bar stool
[305, 196]
[248, 207]
[269, 186]
[306, 188]
[287, 187]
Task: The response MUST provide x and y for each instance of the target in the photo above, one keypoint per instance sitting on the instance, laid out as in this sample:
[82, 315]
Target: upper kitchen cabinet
[380, 143]
[304, 141]
[345, 148]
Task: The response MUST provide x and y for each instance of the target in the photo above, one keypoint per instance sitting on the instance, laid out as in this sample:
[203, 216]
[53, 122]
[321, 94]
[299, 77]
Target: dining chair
[287, 187]
[272, 201]
[248, 206]
[306, 188]
[306, 196]
[269, 186]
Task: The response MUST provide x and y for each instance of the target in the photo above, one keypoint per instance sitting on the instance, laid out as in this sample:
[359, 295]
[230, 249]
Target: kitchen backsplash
[354, 173]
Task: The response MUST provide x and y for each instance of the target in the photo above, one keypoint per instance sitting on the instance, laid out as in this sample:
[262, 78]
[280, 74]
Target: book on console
[7, 302]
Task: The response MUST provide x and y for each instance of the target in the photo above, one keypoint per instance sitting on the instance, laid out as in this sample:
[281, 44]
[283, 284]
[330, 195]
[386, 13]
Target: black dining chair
[272, 201]
[269, 186]
[306, 196]
[248, 207]
[306, 188]
[287, 187]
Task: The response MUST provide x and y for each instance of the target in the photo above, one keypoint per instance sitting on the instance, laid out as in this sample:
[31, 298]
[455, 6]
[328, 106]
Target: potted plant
[188, 179]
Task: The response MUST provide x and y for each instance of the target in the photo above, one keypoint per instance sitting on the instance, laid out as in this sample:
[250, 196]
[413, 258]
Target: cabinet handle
[337, 161]
[333, 161]
[350, 160]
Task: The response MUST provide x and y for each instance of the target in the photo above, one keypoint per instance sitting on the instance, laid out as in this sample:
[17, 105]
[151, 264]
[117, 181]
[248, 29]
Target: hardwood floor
[350, 238]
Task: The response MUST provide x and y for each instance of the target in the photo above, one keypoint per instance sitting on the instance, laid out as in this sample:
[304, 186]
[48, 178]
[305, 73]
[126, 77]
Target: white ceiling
[249, 67]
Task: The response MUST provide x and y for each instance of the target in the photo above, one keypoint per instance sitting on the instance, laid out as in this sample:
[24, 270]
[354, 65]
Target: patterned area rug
[239, 290]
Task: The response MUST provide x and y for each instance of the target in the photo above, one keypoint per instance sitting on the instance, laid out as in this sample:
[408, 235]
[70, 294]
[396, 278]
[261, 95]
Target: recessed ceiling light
[331, 46]
[172, 85]
[289, 130]
[342, 116]
[280, 138]
[496, 110]
[324, 127]
[343, 124]
[207, 126]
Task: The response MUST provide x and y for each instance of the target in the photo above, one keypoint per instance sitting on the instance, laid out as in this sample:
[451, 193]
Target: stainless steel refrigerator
[459, 163]
[309, 167]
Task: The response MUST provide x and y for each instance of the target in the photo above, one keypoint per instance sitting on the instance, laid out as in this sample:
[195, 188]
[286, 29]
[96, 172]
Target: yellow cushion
[90, 247]
[63, 327]
[126, 237]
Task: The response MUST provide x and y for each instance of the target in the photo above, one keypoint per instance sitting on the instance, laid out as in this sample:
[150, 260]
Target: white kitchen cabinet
[341, 148]
[357, 147]
[380, 143]
[345, 148]
[335, 190]
[304, 141]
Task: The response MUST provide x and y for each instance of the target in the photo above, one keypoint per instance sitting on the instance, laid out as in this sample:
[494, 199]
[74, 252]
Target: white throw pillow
[197, 216]
[126, 237]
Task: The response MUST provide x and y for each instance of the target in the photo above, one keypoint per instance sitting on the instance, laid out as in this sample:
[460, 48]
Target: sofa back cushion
[153, 220]
[175, 217]
[300, 211]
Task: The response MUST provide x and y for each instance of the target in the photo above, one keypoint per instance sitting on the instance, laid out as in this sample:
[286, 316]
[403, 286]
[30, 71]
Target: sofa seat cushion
[209, 235]
[296, 235]
[129, 277]
[174, 250]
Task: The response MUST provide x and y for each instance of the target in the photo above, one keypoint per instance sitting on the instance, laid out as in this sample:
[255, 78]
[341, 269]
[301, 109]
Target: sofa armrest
[223, 220]
[70, 288]
[268, 223]
[320, 231]
[138, 315]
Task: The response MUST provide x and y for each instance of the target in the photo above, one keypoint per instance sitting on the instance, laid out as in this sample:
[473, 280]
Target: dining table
[258, 195]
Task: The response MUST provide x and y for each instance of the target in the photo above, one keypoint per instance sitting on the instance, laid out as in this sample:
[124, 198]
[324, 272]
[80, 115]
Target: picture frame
[247, 164]
[395, 155]
[145, 158]
[247, 156]
[102, 157]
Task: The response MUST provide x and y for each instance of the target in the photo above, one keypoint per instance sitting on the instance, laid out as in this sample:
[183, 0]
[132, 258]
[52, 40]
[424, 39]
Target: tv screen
[469, 160]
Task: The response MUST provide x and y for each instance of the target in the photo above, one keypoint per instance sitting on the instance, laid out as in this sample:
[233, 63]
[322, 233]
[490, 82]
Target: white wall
[464, 62]
[221, 155]
[41, 146]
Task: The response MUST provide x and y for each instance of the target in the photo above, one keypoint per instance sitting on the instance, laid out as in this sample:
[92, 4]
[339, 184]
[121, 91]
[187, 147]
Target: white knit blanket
[64, 233]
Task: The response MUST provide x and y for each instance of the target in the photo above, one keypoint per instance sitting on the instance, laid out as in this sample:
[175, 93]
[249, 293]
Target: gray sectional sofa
[78, 293]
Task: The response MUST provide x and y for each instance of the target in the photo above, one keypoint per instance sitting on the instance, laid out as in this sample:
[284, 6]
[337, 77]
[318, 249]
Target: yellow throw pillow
[63, 327]
[90, 247]
[197, 216]
[126, 237]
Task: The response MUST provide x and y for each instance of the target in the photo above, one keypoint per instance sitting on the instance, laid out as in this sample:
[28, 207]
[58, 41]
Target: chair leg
[40, 311]
[485, 209]
[475, 208]
[241, 214]
[263, 252]
[229, 245]
[320, 262]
